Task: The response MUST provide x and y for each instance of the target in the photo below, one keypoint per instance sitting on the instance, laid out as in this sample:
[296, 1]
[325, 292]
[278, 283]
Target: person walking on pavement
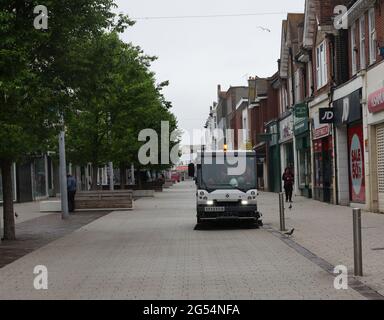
[288, 179]
[71, 188]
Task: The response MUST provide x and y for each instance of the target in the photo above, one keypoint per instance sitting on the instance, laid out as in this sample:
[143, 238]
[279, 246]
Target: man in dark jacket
[288, 179]
[71, 188]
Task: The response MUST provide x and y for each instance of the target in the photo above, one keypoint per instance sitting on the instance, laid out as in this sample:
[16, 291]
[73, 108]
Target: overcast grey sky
[196, 55]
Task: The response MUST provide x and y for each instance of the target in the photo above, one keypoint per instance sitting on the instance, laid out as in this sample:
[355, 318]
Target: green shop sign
[301, 119]
[301, 111]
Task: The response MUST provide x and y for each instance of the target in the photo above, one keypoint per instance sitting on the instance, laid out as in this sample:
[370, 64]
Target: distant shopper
[288, 179]
[161, 179]
[71, 188]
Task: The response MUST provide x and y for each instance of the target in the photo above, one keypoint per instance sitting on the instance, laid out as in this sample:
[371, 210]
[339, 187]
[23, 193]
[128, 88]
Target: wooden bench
[96, 200]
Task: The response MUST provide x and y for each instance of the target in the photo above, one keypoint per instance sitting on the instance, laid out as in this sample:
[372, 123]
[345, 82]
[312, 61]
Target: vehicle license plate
[214, 209]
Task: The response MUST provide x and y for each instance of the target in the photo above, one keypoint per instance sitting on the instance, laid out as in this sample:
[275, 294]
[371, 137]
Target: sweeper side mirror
[191, 170]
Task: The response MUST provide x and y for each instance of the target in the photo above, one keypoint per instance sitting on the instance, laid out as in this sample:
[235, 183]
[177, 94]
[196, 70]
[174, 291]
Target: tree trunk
[8, 212]
[94, 177]
[123, 180]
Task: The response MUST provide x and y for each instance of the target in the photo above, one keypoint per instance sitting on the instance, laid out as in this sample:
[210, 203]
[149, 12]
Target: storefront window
[290, 160]
[304, 167]
[323, 156]
[318, 160]
[39, 178]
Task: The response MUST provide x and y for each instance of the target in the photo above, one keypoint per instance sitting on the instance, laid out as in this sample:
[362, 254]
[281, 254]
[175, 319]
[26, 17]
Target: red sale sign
[356, 164]
[376, 101]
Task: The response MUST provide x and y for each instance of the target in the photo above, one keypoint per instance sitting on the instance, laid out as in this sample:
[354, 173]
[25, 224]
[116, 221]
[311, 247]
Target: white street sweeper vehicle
[226, 186]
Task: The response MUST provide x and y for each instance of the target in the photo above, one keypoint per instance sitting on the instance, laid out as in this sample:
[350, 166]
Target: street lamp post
[111, 177]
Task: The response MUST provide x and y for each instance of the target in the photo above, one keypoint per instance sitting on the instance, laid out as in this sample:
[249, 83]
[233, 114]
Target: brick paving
[154, 252]
[326, 230]
[26, 211]
[33, 234]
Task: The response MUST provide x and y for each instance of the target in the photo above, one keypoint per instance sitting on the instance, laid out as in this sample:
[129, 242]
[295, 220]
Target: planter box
[91, 200]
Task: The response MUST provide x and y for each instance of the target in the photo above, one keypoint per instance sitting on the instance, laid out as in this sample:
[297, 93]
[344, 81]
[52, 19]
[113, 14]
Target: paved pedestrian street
[154, 252]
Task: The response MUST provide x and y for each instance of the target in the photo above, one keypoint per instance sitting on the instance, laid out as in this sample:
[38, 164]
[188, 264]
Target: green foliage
[118, 98]
[37, 67]
[80, 68]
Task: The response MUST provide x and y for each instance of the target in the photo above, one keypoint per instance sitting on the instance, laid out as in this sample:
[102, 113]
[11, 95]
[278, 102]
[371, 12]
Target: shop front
[261, 166]
[323, 156]
[303, 150]
[375, 121]
[287, 154]
[274, 173]
[350, 149]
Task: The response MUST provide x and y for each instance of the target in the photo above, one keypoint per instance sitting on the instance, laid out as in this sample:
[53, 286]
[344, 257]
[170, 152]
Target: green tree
[118, 98]
[37, 71]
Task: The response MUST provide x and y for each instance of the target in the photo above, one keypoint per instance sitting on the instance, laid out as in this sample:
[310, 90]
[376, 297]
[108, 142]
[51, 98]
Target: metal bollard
[282, 215]
[357, 243]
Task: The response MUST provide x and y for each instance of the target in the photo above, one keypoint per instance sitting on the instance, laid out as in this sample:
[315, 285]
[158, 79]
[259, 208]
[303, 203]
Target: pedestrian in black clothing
[288, 179]
[71, 188]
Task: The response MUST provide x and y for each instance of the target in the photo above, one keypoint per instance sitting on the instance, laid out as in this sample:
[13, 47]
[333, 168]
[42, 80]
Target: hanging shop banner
[301, 111]
[356, 163]
[301, 124]
[376, 101]
[348, 109]
[321, 132]
[286, 129]
[326, 115]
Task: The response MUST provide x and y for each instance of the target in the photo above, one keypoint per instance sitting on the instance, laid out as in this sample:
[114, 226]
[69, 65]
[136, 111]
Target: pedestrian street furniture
[102, 200]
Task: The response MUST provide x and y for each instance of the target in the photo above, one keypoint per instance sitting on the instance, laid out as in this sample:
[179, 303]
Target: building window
[321, 65]
[372, 36]
[353, 49]
[363, 62]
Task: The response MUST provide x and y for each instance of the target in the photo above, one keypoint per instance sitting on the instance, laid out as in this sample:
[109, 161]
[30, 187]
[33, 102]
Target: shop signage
[356, 158]
[376, 101]
[264, 137]
[326, 115]
[286, 129]
[348, 109]
[301, 111]
[301, 119]
[321, 132]
[301, 127]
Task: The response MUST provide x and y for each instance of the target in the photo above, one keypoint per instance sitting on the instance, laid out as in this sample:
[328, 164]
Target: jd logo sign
[326, 115]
